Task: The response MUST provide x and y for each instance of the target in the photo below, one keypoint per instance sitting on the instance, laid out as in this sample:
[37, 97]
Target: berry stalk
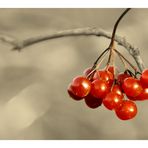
[116, 25]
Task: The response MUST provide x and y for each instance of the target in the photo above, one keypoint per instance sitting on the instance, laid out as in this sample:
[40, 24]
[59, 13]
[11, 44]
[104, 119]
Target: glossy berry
[69, 90]
[143, 95]
[111, 69]
[144, 78]
[127, 110]
[133, 98]
[112, 101]
[117, 89]
[121, 77]
[99, 89]
[80, 86]
[87, 71]
[132, 87]
[105, 76]
[92, 102]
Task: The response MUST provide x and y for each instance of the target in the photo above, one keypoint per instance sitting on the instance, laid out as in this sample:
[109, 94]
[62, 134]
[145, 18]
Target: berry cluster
[116, 90]
[97, 87]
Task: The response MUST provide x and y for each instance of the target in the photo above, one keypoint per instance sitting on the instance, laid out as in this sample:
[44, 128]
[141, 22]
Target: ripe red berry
[112, 101]
[106, 76]
[133, 98]
[143, 95]
[127, 110]
[99, 89]
[92, 102]
[111, 69]
[69, 90]
[87, 71]
[144, 78]
[80, 86]
[132, 87]
[117, 89]
[121, 77]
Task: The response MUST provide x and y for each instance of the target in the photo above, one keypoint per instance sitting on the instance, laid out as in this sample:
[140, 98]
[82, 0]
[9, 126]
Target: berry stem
[130, 73]
[124, 63]
[115, 27]
[99, 64]
[138, 73]
[112, 43]
[110, 56]
[95, 63]
[135, 69]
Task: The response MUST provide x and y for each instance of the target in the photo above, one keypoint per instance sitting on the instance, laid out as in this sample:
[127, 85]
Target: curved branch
[19, 45]
[116, 25]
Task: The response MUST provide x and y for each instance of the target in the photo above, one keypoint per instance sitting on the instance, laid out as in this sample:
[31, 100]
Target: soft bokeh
[33, 83]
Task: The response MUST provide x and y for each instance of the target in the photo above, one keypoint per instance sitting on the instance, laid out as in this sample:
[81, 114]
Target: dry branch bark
[20, 45]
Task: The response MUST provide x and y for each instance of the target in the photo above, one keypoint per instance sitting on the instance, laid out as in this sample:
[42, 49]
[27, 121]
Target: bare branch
[19, 45]
[8, 39]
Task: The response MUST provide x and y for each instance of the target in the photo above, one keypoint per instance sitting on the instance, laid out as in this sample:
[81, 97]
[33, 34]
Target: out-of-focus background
[33, 83]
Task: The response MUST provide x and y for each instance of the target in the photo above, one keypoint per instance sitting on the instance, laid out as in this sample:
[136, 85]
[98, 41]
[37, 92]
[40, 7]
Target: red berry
[143, 95]
[99, 89]
[117, 89]
[87, 71]
[112, 101]
[92, 102]
[90, 73]
[132, 87]
[80, 86]
[144, 78]
[133, 98]
[106, 76]
[69, 90]
[121, 77]
[111, 69]
[127, 110]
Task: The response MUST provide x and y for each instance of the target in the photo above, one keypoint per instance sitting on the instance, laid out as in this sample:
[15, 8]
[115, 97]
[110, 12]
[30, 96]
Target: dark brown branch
[116, 25]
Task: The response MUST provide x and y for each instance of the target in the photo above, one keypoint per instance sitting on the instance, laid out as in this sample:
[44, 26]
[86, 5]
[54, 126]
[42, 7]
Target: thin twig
[116, 25]
[125, 59]
[8, 39]
[101, 58]
[112, 44]
[95, 63]
[121, 59]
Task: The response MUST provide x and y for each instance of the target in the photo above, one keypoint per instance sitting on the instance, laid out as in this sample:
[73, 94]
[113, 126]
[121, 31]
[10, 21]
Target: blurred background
[34, 103]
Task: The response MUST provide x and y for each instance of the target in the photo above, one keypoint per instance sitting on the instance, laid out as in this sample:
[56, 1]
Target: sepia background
[33, 83]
